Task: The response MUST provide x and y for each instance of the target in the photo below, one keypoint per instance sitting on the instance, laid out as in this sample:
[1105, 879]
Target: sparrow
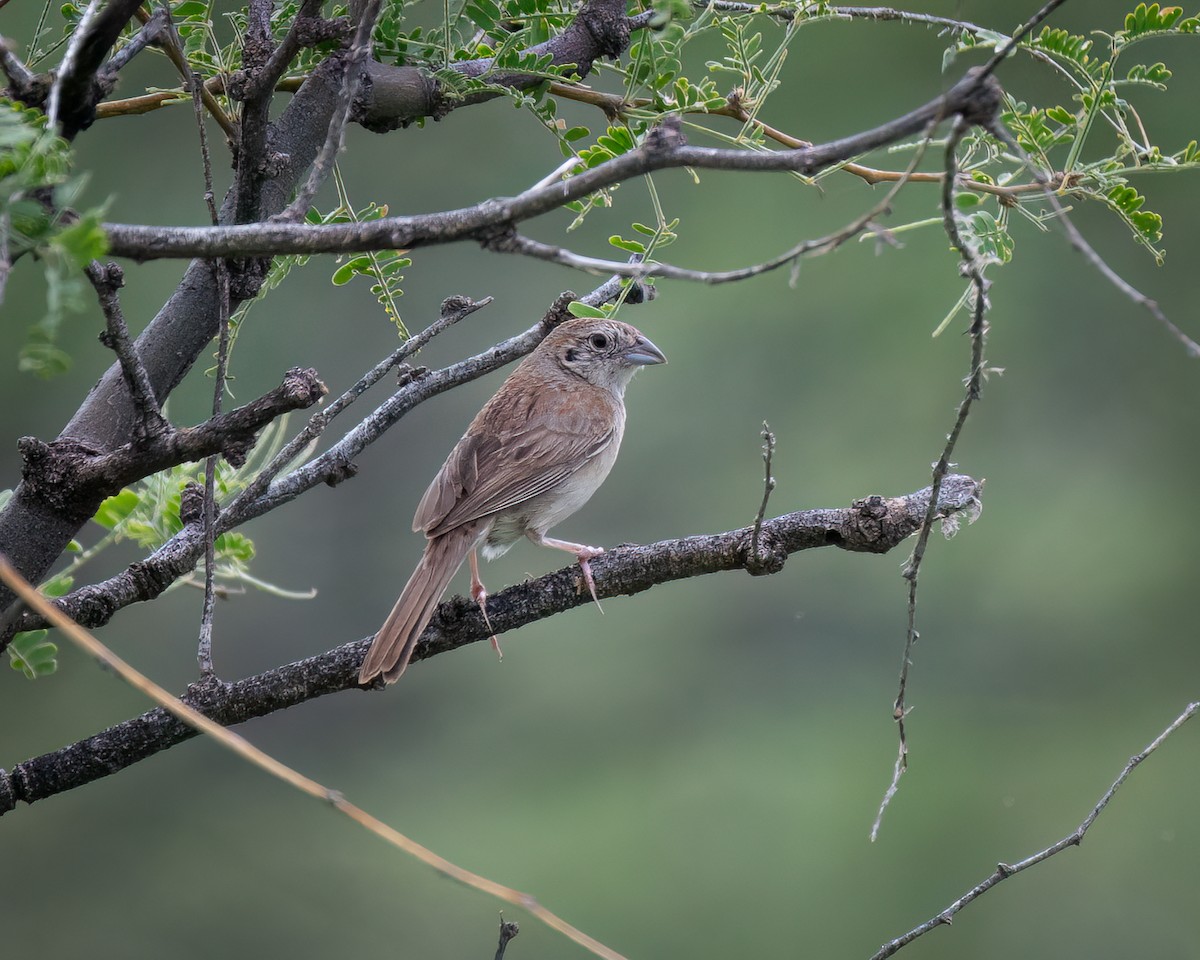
[533, 455]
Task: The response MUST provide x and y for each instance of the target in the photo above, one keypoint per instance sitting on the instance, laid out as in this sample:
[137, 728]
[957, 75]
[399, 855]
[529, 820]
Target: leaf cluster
[36, 186]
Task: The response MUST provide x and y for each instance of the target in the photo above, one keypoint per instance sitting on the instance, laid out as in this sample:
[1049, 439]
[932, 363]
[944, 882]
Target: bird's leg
[479, 595]
[582, 553]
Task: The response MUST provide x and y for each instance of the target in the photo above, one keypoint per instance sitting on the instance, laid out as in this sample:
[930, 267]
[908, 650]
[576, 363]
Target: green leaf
[575, 133]
[1155, 75]
[32, 654]
[1146, 225]
[234, 546]
[43, 359]
[349, 270]
[988, 236]
[58, 586]
[633, 246]
[1155, 19]
[116, 508]
[578, 308]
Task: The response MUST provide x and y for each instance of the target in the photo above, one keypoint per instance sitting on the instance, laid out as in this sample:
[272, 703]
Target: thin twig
[973, 267]
[1021, 33]
[637, 268]
[789, 12]
[174, 51]
[1005, 870]
[1077, 240]
[360, 50]
[768, 449]
[453, 310]
[508, 930]
[265, 762]
[107, 279]
[489, 220]
[150, 33]
[204, 642]
[5, 260]
[221, 272]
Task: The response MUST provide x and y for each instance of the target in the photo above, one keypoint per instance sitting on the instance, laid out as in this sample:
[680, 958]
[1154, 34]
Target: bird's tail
[397, 638]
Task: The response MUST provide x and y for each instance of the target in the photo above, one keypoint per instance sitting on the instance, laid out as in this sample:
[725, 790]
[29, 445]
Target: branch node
[984, 101]
[406, 374]
[558, 312]
[665, 136]
[191, 504]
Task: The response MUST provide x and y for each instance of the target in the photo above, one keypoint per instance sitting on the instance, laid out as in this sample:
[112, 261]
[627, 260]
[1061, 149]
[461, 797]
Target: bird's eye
[598, 340]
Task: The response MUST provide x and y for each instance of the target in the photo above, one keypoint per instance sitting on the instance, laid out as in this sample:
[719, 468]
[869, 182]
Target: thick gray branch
[33, 532]
[393, 97]
[870, 525]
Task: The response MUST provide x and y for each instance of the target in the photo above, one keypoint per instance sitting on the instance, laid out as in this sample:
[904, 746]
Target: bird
[533, 455]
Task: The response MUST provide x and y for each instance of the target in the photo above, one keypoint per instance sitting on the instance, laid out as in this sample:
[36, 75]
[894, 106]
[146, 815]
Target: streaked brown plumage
[531, 457]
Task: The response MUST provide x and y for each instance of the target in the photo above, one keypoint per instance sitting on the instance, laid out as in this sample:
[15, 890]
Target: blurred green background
[695, 772]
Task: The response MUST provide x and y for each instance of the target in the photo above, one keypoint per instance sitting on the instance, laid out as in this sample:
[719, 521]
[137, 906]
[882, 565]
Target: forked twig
[1005, 870]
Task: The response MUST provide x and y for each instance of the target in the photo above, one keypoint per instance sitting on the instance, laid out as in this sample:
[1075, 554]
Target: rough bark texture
[871, 525]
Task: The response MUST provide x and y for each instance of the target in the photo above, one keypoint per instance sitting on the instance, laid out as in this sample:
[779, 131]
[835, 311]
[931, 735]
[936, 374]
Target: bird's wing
[517, 447]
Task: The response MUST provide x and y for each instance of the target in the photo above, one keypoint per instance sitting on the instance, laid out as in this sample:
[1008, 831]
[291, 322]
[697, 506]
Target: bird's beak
[644, 353]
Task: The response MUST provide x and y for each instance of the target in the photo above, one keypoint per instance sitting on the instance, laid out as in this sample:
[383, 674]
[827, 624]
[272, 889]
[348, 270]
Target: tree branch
[871, 525]
[78, 89]
[76, 479]
[394, 97]
[33, 533]
[107, 279]
[95, 604]
[1005, 870]
[976, 98]
[151, 32]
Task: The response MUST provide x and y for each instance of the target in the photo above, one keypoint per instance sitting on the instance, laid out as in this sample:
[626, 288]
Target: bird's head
[604, 352]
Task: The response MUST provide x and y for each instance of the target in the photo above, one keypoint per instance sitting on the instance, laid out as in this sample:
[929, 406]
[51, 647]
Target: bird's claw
[585, 569]
[479, 595]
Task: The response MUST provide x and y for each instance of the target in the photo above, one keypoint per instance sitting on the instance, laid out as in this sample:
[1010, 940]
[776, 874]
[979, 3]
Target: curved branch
[974, 97]
[871, 525]
[79, 89]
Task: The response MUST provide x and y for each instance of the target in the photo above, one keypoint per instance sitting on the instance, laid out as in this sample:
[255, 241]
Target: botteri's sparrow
[532, 456]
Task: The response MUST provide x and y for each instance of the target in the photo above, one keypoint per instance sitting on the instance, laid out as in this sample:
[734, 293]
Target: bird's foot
[479, 595]
[585, 568]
